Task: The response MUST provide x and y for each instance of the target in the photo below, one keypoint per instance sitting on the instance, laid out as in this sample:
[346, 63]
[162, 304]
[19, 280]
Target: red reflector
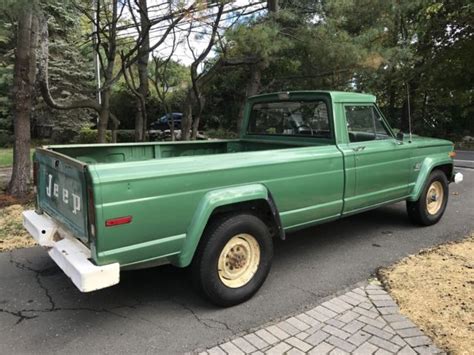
[117, 221]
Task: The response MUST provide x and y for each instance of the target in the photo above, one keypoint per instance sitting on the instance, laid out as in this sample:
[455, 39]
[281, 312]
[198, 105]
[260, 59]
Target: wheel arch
[255, 198]
[429, 164]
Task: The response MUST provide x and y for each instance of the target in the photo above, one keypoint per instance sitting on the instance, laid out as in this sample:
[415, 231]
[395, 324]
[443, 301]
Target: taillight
[118, 221]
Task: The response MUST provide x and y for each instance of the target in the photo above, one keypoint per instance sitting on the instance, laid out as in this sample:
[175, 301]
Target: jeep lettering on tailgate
[52, 189]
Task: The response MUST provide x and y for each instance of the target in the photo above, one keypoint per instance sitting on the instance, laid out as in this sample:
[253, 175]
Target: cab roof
[336, 96]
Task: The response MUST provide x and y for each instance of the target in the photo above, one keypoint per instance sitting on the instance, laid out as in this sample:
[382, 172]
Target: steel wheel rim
[239, 260]
[434, 198]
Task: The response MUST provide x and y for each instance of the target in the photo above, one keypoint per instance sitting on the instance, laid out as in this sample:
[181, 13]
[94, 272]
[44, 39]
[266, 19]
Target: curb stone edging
[364, 320]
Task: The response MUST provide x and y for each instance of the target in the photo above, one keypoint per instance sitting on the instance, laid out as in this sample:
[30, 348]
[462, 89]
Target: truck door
[382, 163]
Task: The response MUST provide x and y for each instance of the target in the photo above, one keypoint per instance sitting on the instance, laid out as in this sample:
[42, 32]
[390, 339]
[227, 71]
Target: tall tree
[140, 91]
[195, 95]
[107, 17]
[203, 70]
[106, 47]
[255, 75]
[23, 91]
[164, 78]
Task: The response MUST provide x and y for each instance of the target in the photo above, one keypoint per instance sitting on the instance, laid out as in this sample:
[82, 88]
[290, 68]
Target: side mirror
[400, 136]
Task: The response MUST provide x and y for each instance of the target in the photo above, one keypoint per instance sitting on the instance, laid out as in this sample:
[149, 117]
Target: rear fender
[211, 201]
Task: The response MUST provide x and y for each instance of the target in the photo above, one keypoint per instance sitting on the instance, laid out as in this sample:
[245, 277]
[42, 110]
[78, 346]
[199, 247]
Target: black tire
[204, 267]
[418, 210]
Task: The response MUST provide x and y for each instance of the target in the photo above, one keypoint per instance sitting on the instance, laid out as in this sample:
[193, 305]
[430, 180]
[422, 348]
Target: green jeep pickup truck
[303, 158]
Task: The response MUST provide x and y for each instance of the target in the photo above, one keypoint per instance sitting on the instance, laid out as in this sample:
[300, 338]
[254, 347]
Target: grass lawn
[6, 156]
[12, 233]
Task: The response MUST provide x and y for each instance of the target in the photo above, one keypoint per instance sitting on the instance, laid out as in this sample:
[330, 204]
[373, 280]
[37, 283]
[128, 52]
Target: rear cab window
[290, 118]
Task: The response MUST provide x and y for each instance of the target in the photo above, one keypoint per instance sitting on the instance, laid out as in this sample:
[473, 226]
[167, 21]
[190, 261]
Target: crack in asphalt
[52, 305]
[306, 291]
[204, 321]
[19, 314]
[37, 273]
[54, 308]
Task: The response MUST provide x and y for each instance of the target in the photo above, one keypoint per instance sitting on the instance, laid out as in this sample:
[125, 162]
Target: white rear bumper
[70, 254]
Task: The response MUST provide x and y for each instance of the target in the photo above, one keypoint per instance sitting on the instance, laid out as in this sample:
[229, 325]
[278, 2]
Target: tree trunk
[195, 127]
[253, 87]
[108, 73]
[187, 120]
[408, 108]
[240, 115]
[23, 91]
[104, 117]
[142, 66]
[197, 118]
[391, 104]
[168, 112]
[273, 6]
[138, 121]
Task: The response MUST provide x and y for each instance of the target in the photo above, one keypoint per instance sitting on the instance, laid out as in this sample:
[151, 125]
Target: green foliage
[7, 43]
[362, 45]
[221, 134]
[89, 136]
[6, 138]
[259, 40]
[125, 135]
[6, 77]
[123, 105]
[70, 70]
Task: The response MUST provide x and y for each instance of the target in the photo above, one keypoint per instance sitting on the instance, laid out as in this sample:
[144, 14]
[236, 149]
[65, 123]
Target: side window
[365, 124]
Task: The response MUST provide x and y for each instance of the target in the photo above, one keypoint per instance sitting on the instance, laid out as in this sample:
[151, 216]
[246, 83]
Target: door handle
[359, 148]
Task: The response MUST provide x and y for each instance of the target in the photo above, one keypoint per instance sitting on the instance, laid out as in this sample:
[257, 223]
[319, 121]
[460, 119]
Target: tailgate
[62, 190]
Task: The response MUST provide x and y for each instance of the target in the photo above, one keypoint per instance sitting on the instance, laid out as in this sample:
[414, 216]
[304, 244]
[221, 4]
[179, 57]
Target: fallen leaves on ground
[435, 289]
[8, 200]
[12, 233]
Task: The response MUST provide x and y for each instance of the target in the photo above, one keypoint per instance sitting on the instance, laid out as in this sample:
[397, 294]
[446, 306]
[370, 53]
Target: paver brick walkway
[363, 321]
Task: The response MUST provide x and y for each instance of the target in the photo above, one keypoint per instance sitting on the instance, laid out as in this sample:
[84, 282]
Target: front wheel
[233, 259]
[430, 207]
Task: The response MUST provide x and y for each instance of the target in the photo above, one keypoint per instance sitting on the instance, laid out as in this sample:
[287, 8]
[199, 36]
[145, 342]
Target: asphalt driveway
[464, 158]
[157, 310]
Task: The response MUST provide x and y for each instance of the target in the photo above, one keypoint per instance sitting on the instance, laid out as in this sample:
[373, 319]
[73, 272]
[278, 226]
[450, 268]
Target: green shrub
[89, 136]
[63, 135]
[38, 142]
[221, 134]
[6, 138]
[125, 135]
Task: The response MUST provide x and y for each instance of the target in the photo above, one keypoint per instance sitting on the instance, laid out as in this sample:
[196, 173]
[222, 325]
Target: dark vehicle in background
[164, 122]
[161, 128]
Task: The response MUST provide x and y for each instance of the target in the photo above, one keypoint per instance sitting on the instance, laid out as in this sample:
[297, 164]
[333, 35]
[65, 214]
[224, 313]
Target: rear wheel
[233, 259]
[430, 207]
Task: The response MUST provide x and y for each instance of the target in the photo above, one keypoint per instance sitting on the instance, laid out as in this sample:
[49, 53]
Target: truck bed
[108, 153]
[84, 186]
